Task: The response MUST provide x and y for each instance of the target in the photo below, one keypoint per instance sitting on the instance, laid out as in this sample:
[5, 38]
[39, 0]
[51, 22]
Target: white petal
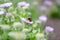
[23, 19]
[27, 21]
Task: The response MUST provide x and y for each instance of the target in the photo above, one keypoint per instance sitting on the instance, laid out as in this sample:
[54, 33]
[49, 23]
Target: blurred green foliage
[55, 12]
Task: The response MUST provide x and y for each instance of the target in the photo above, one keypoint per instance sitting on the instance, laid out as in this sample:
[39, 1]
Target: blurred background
[53, 14]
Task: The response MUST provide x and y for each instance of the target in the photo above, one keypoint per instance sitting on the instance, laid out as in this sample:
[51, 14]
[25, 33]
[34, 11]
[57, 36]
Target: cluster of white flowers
[17, 24]
[5, 27]
[26, 30]
[39, 36]
[17, 35]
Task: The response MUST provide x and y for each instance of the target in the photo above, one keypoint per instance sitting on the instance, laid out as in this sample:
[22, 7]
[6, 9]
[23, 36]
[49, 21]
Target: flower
[5, 27]
[16, 24]
[49, 29]
[29, 13]
[26, 21]
[38, 21]
[17, 35]
[34, 31]
[8, 14]
[26, 30]
[39, 36]
[48, 3]
[23, 4]
[5, 5]
[42, 7]
[1, 12]
[43, 18]
[35, 25]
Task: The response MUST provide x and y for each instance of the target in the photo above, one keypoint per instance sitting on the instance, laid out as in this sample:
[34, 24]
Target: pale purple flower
[5, 5]
[1, 12]
[26, 21]
[49, 28]
[8, 14]
[43, 7]
[23, 4]
[48, 3]
[43, 18]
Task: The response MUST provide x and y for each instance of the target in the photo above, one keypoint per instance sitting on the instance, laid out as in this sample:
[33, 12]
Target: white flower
[23, 4]
[5, 27]
[8, 14]
[43, 18]
[29, 13]
[16, 24]
[35, 25]
[49, 29]
[39, 36]
[17, 35]
[6, 5]
[1, 12]
[42, 7]
[38, 21]
[26, 30]
[26, 21]
[48, 3]
[34, 31]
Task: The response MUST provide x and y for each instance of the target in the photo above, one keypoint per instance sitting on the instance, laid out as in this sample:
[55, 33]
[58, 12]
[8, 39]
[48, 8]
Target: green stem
[4, 35]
